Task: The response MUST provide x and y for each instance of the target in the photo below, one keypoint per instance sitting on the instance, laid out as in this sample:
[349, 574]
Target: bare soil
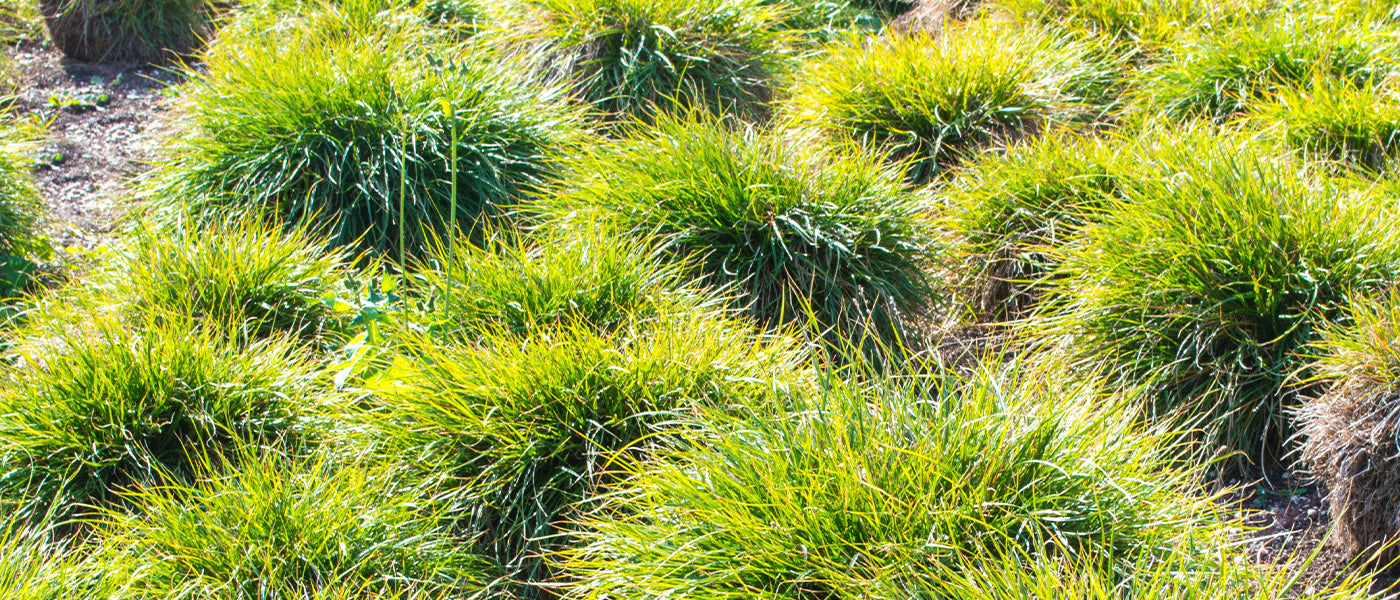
[104, 121]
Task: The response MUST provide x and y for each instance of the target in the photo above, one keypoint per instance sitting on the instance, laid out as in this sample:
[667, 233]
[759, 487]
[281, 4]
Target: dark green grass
[291, 529]
[533, 427]
[1220, 75]
[1207, 283]
[1355, 125]
[632, 58]
[575, 274]
[130, 30]
[857, 488]
[936, 101]
[793, 230]
[355, 134]
[1008, 212]
[105, 405]
[824, 20]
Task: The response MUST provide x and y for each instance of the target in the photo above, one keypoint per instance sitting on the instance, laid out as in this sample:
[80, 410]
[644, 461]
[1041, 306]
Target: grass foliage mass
[1209, 282]
[937, 101]
[857, 491]
[357, 135]
[631, 58]
[108, 406]
[798, 233]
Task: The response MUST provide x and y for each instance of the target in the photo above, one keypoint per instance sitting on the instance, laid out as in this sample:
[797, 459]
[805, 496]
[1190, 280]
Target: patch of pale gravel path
[92, 149]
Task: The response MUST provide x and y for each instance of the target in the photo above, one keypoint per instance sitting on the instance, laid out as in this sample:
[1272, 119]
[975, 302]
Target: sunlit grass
[793, 231]
[935, 101]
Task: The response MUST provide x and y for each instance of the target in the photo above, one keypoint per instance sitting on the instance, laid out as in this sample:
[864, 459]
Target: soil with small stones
[104, 121]
[1288, 521]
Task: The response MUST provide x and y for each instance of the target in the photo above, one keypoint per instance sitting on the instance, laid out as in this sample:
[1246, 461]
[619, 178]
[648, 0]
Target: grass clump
[246, 273]
[1348, 434]
[631, 58]
[129, 30]
[355, 135]
[1008, 212]
[1150, 24]
[107, 406]
[533, 427]
[798, 233]
[1220, 75]
[275, 527]
[936, 101]
[1208, 282]
[1355, 125]
[565, 276]
[858, 488]
[422, 22]
[254, 279]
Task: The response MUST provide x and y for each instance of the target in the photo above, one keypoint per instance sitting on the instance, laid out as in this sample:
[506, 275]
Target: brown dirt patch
[104, 120]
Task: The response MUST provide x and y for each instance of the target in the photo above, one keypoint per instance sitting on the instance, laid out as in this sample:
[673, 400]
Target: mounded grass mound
[356, 134]
[799, 233]
[571, 275]
[254, 279]
[1009, 212]
[534, 427]
[102, 31]
[1349, 433]
[934, 101]
[1207, 284]
[633, 58]
[275, 527]
[855, 491]
[108, 405]
[1355, 125]
[423, 21]
[1221, 75]
[1150, 24]
[249, 274]
[823, 20]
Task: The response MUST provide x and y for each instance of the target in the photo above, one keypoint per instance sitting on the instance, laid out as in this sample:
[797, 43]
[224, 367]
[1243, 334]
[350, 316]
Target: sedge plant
[797, 232]
[569, 274]
[1150, 25]
[1355, 125]
[861, 485]
[934, 101]
[261, 279]
[272, 526]
[1347, 433]
[130, 30]
[532, 427]
[1220, 75]
[633, 58]
[1007, 212]
[1207, 284]
[356, 136]
[108, 405]
[22, 246]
